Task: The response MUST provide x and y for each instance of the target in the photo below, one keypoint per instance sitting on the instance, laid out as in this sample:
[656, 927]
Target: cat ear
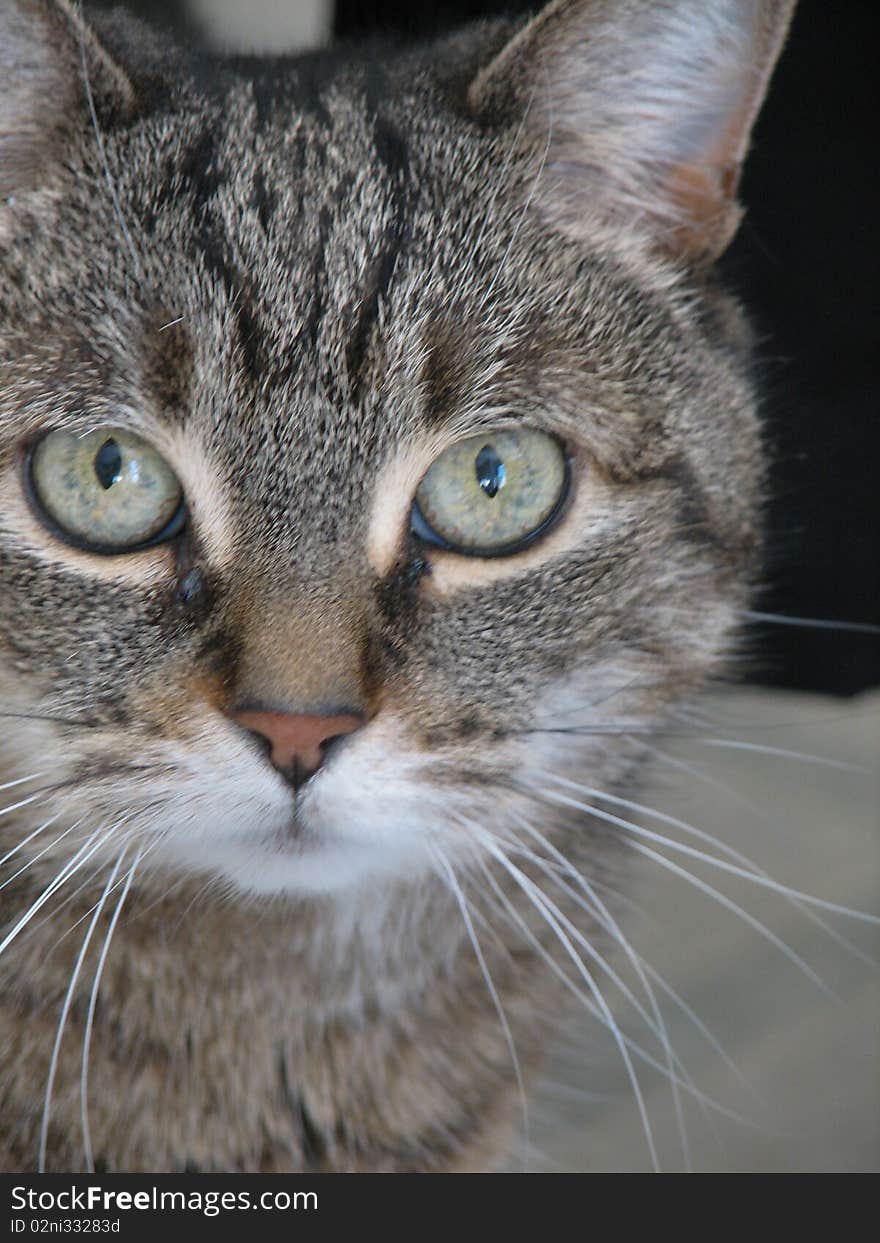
[640, 111]
[49, 62]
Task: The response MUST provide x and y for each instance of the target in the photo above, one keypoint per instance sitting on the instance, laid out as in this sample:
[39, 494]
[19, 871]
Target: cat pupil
[490, 471]
[108, 463]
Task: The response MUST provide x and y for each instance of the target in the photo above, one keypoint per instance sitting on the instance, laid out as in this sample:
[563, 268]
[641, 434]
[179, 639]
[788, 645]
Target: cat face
[299, 297]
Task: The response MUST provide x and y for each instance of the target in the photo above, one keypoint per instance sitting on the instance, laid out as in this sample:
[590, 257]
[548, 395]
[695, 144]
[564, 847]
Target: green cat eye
[107, 491]
[492, 495]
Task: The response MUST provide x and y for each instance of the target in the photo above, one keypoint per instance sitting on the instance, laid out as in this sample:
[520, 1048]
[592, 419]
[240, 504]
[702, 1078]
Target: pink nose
[299, 742]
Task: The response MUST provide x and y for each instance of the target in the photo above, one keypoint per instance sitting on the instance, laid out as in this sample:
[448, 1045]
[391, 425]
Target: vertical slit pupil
[108, 464]
[490, 471]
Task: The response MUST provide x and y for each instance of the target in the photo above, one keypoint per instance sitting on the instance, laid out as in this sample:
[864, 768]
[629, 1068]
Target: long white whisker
[811, 623]
[702, 885]
[87, 882]
[90, 1016]
[546, 908]
[141, 856]
[24, 841]
[490, 984]
[40, 853]
[655, 1025]
[726, 902]
[804, 757]
[599, 911]
[485, 924]
[564, 868]
[65, 1010]
[20, 781]
[82, 856]
[25, 802]
[593, 1010]
[738, 799]
[658, 979]
[756, 878]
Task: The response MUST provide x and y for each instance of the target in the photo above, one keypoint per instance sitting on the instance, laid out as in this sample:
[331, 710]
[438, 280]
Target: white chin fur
[312, 869]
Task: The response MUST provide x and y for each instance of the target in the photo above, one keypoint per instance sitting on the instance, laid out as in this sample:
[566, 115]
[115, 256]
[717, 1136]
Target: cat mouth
[297, 831]
[304, 833]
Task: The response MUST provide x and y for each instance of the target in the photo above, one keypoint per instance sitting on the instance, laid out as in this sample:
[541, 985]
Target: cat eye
[107, 491]
[492, 495]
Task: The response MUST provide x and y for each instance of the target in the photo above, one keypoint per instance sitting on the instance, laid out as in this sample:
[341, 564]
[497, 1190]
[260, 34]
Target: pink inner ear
[703, 192]
[703, 196]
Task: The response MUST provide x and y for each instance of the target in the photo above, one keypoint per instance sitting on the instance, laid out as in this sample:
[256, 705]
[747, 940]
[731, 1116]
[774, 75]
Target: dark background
[807, 264]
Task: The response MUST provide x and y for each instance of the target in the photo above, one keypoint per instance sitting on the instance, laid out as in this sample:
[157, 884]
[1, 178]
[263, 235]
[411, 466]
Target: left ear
[643, 111]
[47, 52]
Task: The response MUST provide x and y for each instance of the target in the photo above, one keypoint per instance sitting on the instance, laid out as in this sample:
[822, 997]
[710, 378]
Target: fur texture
[301, 280]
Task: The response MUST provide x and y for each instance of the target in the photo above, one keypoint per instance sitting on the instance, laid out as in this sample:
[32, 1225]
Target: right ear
[640, 112]
[51, 63]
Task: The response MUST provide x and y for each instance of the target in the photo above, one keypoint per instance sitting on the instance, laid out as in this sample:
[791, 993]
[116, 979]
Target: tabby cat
[379, 464]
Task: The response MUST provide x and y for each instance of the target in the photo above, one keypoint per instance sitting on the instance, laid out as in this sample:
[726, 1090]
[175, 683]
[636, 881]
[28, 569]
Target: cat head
[374, 437]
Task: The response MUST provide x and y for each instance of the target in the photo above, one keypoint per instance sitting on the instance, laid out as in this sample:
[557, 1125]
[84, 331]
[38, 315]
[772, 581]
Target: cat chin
[309, 866]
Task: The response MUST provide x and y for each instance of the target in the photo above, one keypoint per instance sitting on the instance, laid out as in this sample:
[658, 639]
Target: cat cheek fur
[300, 280]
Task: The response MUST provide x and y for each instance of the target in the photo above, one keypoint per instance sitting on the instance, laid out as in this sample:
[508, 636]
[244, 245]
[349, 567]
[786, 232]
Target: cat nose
[299, 743]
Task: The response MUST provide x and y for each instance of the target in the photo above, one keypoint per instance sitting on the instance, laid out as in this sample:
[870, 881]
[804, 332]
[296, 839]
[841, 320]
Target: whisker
[702, 885]
[483, 921]
[62, 1021]
[601, 887]
[712, 719]
[82, 856]
[127, 838]
[593, 1010]
[735, 744]
[20, 781]
[635, 683]
[460, 899]
[675, 997]
[25, 802]
[738, 799]
[42, 716]
[656, 1025]
[726, 902]
[51, 916]
[597, 910]
[644, 970]
[24, 841]
[90, 1016]
[755, 877]
[812, 623]
[545, 906]
[40, 853]
[598, 729]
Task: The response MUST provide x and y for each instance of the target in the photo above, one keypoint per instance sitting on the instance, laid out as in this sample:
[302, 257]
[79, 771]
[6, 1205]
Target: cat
[379, 465]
